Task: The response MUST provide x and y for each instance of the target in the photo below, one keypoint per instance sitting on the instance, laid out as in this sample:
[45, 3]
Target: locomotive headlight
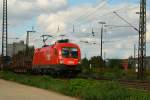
[79, 62]
[61, 61]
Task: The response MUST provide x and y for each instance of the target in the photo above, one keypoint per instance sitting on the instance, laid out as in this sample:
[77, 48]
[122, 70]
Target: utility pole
[86, 53]
[102, 31]
[4, 59]
[134, 51]
[27, 39]
[142, 40]
[4, 30]
[93, 34]
[58, 29]
[73, 30]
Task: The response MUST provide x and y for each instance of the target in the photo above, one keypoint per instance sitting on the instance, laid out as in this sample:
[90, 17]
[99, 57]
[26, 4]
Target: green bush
[93, 90]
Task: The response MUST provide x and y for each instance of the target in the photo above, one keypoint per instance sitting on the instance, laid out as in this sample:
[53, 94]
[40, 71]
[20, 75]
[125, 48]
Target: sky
[45, 16]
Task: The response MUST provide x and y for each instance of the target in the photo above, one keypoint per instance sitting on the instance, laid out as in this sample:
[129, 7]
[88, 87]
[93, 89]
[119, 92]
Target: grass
[80, 88]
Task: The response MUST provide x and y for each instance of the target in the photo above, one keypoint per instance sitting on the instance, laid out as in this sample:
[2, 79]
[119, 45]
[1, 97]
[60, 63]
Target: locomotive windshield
[69, 52]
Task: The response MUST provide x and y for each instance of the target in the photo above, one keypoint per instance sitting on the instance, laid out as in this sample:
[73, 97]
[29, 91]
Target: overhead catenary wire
[96, 19]
[126, 21]
[92, 12]
[88, 11]
[88, 17]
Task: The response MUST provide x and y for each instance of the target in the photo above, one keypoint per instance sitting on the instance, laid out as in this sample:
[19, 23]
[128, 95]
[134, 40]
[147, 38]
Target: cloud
[49, 14]
[63, 19]
[148, 32]
[86, 16]
[20, 11]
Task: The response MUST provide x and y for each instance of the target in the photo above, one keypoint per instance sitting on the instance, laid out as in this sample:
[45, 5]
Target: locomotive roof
[60, 45]
[63, 41]
[66, 44]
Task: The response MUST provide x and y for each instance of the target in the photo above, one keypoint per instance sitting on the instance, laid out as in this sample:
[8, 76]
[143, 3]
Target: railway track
[136, 84]
[143, 85]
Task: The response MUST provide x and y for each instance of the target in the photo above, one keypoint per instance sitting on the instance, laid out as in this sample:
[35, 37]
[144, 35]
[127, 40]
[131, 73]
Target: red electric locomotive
[60, 58]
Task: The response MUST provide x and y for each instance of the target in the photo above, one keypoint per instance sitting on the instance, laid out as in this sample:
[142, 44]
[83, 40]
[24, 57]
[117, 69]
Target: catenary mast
[4, 29]
[142, 39]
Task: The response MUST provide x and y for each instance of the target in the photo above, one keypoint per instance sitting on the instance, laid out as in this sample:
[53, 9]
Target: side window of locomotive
[74, 52]
[65, 52]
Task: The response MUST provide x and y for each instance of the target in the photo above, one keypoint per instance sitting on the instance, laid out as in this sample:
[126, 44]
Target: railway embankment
[86, 89]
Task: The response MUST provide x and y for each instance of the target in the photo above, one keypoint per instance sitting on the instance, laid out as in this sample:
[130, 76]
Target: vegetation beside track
[81, 88]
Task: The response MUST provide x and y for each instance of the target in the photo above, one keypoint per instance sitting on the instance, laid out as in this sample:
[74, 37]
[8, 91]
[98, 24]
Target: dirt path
[13, 91]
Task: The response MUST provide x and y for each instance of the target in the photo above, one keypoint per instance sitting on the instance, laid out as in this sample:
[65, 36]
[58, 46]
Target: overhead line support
[142, 40]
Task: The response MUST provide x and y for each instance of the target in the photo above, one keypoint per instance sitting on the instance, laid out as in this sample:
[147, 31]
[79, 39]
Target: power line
[87, 16]
[92, 14]
[87, 13]
[126, 21]
[98, 17]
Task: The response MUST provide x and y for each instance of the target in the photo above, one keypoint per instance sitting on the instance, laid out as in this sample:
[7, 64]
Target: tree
[85, 62]
[97, 61]
[115, 63]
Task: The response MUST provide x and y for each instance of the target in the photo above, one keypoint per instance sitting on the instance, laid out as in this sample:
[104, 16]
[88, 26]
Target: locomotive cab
[70, 56]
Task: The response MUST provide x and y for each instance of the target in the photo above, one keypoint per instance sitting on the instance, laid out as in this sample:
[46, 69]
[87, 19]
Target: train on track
[61, 58]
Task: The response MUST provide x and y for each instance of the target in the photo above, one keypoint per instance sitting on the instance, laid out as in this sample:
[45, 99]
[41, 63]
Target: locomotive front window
[65, 52]
[74, 52]
[69, 52]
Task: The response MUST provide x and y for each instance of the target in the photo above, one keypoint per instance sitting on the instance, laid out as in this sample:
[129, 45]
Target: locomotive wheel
[55, 73]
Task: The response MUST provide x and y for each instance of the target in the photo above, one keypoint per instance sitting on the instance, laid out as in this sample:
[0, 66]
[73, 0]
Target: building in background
[15, 48]
[148, 62]
[118, 63]
[125, 64]
[134, 61]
